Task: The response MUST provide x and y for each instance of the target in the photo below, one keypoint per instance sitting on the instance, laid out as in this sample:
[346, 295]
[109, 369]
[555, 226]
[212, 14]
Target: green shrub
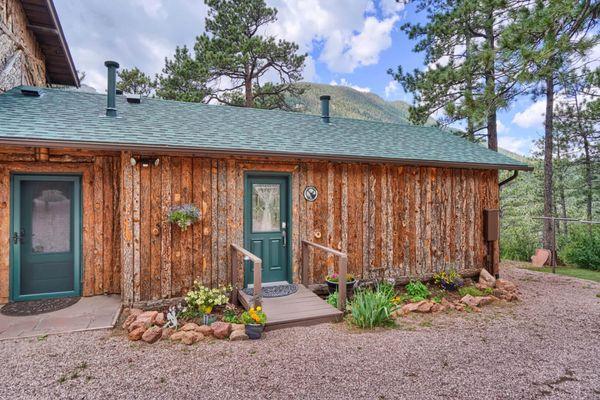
[417, 291]
[473, 291]
[370, 308]
[581, 248]
[332, 299]
[518, 244]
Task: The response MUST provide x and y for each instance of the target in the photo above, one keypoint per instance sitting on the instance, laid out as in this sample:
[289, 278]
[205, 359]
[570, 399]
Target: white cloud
[390, 89]
[515, 144]
[501, 127]
[532, 116]
[309, 74]
[154, 8]
[348, 31]
[344, 82]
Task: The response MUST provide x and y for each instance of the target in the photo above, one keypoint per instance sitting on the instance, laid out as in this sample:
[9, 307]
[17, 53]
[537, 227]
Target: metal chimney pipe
[325, 108]
[111, 98]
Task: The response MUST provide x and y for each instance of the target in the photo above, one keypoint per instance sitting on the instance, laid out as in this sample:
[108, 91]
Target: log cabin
[87, 181]
[33, 49]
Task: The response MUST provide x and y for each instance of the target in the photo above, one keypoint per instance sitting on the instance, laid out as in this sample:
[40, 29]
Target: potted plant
[333, 282]
[204, 299]
[449, 281]
[184, 215]
[254, 320]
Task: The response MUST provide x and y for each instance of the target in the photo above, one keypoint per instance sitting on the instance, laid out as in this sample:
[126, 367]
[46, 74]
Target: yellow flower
[259, 308]
[252, 309]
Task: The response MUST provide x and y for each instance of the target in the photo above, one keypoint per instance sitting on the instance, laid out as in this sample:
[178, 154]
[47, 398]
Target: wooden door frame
[15, 217]
[290, 250]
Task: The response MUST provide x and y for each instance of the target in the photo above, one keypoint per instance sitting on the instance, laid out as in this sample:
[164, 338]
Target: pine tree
[238, 57]
[463, 77]
[135, 81]
[549, 38]
[183, 78]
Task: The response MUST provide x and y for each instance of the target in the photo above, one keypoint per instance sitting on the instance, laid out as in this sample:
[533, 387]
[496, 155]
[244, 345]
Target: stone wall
[21, 59]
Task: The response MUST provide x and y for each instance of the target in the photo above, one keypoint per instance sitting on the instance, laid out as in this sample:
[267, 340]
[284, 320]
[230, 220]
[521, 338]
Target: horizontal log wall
[394, 221]
[100, 197]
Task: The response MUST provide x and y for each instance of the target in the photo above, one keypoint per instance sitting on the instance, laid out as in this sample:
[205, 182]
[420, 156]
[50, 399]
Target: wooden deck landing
[299, 309]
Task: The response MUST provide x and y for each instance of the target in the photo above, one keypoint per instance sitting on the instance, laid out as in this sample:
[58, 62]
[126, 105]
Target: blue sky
[349, 42]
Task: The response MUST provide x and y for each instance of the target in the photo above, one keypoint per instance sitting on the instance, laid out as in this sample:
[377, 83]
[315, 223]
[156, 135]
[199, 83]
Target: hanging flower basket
[184, 216]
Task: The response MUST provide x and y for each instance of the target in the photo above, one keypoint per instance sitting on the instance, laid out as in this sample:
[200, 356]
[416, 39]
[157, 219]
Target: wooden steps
[299, 309]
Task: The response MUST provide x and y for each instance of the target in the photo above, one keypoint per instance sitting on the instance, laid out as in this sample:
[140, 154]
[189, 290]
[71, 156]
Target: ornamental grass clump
[204, 299]
[184, 216]
[371, 308]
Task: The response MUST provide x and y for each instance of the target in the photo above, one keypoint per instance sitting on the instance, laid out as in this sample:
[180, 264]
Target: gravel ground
[543, 347]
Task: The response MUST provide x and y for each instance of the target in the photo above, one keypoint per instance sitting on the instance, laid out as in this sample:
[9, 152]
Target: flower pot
[254, 331]
[333, 286]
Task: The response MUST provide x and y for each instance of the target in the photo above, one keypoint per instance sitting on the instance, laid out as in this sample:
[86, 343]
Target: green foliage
[417, 291]
[204, 299]
[183, 78]
[371, 308]
[333, 299]
[582, 247]
[473, 291]
[189, 312]
[519, 245]
[135, 81]
[230, 315]
[184, 215]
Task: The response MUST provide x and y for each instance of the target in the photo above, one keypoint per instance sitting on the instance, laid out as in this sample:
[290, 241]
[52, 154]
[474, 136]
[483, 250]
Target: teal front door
[45, 239]
[267, 226]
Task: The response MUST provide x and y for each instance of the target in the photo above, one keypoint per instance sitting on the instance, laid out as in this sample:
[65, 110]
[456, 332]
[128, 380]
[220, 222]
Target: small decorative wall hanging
[311, 193]
[184, 215]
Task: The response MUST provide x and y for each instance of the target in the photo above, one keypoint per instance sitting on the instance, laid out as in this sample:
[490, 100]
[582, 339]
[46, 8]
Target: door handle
[284, 235]
[18, 237]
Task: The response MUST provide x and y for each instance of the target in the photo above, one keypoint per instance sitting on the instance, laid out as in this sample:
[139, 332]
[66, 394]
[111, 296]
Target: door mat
[275, 291]
[34, 307]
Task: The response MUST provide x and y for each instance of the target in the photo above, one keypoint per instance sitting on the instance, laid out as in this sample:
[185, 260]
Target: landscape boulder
[424, 306]
[147, 317]
[238, 327]
[160, 319]
[206, 330]
[190, 326]
[238, 335]
[506, 285]
[469, 301]
[486, 279]
[221, 330]
[128, 321]
[137, 324]
[152, 335]
[167, 332]
[177, 336]
[409, 307]
[137, 333]
[191, 337]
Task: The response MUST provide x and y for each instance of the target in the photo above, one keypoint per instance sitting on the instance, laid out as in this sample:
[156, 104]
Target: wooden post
[343, 267]
[234, 275]
[257, 283]
[305, 263]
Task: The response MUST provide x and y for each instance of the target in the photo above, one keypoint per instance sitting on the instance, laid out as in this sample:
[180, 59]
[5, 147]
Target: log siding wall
[100, 198]
[394, 221]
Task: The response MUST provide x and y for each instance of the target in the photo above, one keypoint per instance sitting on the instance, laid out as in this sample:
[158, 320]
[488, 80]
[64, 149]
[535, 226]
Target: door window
[51, 219]
[265, 207]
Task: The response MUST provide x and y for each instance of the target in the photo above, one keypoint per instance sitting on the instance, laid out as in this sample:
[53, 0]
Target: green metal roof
[68, 117]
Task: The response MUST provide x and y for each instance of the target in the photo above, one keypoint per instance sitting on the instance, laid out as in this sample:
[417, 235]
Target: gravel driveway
[546, 346]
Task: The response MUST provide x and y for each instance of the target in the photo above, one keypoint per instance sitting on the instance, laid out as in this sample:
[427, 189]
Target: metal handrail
[257, 291]
[342, 267]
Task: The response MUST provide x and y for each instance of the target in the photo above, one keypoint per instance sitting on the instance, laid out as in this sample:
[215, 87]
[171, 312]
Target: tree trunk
[469, 92]
[490, 83]
[588, 177]
[248, 91]
[548, 233]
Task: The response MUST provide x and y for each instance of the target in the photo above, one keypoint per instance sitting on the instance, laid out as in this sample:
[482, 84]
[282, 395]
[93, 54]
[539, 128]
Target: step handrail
[342, 268]
[257, 292]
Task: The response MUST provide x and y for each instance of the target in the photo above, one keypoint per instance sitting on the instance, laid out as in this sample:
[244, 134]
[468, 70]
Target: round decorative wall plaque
[311, 193]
